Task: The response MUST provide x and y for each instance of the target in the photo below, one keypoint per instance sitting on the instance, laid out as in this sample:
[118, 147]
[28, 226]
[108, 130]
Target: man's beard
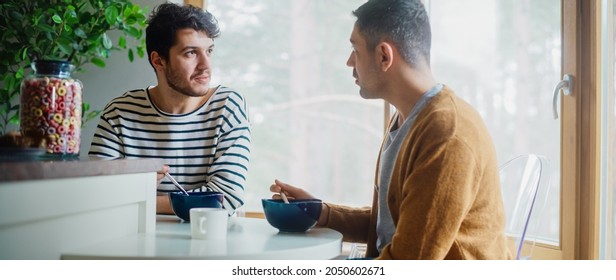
[178, 85]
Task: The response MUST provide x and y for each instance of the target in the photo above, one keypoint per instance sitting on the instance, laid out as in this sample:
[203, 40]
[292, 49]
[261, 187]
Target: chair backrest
[525, 183]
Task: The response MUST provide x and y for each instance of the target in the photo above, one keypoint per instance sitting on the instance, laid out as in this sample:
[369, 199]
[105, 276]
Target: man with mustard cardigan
[437, 192]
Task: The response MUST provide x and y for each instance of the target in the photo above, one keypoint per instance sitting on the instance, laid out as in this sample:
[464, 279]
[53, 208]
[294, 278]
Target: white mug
[208, 223]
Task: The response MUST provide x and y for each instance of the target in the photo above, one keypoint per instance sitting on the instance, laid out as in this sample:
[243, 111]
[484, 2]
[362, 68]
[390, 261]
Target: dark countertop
[41, 170]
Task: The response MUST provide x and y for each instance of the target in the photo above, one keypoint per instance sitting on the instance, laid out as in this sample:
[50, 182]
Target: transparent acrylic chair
[358, 251]
[525, 183]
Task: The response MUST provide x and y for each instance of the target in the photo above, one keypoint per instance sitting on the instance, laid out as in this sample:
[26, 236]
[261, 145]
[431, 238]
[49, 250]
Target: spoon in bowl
[176, 183]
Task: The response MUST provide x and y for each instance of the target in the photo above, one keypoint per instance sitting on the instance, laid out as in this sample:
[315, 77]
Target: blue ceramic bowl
[181, 204]
[298, 216]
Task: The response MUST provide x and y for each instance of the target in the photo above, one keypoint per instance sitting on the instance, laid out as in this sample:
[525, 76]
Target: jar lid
[52, 67]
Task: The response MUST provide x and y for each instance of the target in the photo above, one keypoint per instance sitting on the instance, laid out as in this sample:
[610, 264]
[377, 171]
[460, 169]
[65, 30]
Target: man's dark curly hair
[168, 18]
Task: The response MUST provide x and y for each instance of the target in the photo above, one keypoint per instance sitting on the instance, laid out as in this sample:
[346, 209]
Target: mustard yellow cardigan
[444, 195]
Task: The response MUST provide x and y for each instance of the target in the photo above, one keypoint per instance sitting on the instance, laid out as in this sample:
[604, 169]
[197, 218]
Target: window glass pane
[310, 127]
[611, 124]
[608, 168]
[504, 57]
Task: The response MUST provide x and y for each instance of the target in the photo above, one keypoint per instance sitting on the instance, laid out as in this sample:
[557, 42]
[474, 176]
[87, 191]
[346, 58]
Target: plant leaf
[80, 33]
[56, 18]
[107, 44]
[46, 27]
[9, 81]
[70, 16]
[136, 9]
[24, 54]
[20, 73]
[131, 56]
[14, 118]
[65, 45]
[16, 16]
[98, 62]
[122, 42]
[111, 15]
[132, 31]
[140, 51]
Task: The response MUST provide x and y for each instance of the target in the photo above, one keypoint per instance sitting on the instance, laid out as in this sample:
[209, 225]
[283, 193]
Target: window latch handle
[566, 85]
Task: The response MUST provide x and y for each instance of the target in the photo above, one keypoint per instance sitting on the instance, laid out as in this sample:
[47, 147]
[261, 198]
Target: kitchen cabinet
[47, 207]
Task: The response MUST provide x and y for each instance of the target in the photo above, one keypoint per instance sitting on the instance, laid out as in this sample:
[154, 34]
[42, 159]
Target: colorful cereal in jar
[51, 104]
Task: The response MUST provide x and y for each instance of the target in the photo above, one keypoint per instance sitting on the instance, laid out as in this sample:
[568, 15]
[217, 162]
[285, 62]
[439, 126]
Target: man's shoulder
[233, 102]
[449, 116]
[228, 93]
[133, 94]
[449, 108]
[135, 97]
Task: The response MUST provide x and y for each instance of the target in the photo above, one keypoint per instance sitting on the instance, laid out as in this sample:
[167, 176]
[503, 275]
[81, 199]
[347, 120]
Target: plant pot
[50, 108]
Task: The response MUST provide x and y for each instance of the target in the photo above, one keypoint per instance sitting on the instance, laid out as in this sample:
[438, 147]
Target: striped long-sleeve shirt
[208, 148]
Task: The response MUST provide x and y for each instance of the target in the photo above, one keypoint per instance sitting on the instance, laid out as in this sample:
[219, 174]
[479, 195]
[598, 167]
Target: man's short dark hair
[403, 22]
[168, 18]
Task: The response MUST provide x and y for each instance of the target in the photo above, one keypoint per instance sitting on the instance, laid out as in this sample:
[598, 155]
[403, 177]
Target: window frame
[580, 135]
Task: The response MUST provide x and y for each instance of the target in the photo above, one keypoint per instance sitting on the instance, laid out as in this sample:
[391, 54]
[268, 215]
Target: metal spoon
[176, 183]
[284, 197]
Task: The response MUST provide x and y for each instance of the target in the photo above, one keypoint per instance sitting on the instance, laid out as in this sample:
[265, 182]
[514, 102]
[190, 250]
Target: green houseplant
[76, 31]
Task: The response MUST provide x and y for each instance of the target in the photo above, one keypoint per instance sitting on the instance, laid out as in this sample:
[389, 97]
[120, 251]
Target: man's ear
[157, 61]
[385, 55]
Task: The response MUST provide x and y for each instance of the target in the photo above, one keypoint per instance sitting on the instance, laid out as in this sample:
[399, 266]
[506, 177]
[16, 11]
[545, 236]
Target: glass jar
[50, 107]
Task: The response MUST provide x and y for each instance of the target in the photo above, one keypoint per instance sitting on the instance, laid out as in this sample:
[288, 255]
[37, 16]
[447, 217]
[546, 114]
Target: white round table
[247, 239]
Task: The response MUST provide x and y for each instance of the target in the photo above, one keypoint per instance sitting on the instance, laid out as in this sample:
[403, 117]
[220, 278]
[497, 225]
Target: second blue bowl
[298, 216]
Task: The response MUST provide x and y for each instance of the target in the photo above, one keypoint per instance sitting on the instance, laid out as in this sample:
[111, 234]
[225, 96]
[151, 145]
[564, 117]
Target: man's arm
[163, 206]
[228, 172]
[352, 222]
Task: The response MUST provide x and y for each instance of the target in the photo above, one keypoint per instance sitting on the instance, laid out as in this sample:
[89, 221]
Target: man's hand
[160, 174]
[297, 193]
[290, 191]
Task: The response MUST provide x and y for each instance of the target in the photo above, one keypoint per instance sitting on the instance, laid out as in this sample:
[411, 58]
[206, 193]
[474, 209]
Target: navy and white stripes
[206, 149]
